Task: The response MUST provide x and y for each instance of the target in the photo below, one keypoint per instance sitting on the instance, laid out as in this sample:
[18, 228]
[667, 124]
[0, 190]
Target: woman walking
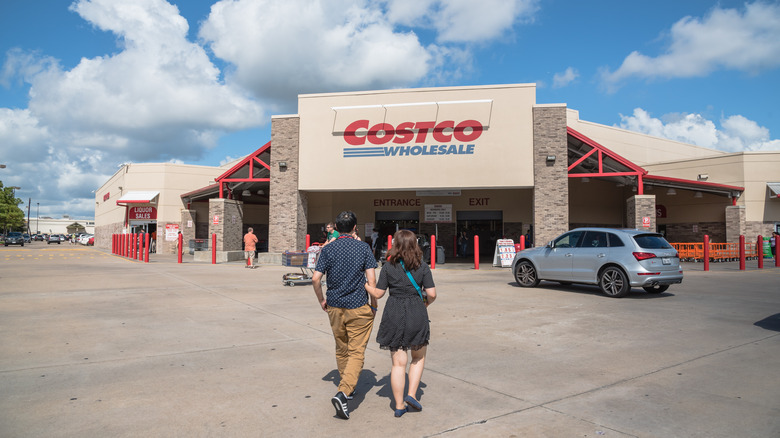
[405, 326]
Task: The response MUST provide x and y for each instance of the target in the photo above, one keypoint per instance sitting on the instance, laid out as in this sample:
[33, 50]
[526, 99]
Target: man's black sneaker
[340, 403]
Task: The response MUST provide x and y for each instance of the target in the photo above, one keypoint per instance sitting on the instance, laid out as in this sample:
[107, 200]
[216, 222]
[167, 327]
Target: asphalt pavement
[95, 345]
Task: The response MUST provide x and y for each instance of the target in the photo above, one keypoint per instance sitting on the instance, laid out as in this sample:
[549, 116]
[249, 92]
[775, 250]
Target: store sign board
[505, 253]
[142, 213]
[438, 213]
[171, 232]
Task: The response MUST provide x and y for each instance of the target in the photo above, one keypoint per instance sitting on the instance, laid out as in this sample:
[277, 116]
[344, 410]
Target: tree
[11, 216]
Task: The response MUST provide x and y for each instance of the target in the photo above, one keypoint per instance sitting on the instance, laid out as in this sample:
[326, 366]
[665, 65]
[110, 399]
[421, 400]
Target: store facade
[487, 161]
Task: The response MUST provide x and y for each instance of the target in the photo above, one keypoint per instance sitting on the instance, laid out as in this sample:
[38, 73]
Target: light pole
[37, 217]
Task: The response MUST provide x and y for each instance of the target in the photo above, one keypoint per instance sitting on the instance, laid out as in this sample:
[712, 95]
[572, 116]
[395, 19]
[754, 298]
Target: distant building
[65, 225]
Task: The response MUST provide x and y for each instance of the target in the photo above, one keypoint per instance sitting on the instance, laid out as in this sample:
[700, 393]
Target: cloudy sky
[88, 84]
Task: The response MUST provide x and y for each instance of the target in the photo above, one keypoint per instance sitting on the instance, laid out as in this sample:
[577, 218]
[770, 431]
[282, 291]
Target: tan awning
[774, 188]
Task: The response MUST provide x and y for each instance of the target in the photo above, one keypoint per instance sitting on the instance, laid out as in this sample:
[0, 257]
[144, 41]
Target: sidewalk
[104, 346]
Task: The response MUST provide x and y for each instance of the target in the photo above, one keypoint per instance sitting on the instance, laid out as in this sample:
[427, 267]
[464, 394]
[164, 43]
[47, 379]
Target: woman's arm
[431, 294]
[374, 292]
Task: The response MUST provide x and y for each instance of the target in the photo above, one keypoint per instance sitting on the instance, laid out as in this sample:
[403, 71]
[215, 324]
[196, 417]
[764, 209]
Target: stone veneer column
[187, 233]
[551, 179]
[735, 223]
[231, 222]
[288, 206]
[637, 207]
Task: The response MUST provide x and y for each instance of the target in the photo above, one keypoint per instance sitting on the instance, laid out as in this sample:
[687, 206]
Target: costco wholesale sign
[411, 138]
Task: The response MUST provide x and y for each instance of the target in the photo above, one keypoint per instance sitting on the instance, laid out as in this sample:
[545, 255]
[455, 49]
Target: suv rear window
[652, 241]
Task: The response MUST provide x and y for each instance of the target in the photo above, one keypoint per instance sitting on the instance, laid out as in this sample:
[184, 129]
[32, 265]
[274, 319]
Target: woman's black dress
[405, 322]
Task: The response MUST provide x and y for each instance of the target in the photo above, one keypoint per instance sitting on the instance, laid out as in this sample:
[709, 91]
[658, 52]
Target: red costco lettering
[382, 133]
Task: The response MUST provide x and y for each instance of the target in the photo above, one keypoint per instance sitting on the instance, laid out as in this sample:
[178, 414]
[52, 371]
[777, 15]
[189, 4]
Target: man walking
[349, 264]
[250, 240]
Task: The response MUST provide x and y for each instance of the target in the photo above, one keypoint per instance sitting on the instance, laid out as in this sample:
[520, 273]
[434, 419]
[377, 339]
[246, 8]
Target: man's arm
[371, 282]
[316, 281]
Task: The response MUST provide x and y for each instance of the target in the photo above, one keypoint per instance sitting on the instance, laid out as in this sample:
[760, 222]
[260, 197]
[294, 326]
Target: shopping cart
[306, 261]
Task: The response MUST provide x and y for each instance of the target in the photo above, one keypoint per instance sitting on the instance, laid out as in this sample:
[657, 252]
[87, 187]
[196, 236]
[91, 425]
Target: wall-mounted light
[551, 158]
[246, 193]
[586, 179]
[261, 192]
[120, 187]
[671, 192]
[702, 177]
[697, 195]
[282, 165]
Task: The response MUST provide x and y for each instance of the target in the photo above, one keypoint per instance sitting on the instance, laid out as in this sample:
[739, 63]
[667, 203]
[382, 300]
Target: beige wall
[751, 170]
[501, 155]
[171, 180]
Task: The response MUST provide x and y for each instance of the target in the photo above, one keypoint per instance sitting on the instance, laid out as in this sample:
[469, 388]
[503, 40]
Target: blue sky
[88, 84]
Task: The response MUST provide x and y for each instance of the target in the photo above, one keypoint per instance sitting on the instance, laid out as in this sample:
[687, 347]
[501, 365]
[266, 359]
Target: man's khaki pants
[351, 329]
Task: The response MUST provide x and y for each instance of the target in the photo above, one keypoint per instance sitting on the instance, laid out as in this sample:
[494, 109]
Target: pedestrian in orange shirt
[250, 240]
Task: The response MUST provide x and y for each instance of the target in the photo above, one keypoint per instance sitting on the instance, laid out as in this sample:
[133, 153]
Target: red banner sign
[142, 213]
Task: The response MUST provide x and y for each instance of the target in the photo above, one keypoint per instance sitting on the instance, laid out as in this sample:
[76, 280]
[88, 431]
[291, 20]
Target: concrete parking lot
[94, 345]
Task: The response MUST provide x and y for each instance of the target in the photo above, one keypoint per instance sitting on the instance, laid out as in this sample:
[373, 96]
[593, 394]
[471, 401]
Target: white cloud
[747, 40]
[281, 49]
[159, 97]
[563, 79]
[736, 134]
[463, 21]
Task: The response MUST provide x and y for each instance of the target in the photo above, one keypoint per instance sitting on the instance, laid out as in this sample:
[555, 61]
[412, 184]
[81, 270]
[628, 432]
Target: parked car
[14, 238]
[616, 260]
[56, 238]
[27, 238]
[38, 237]
[91, 241]
[84, 239]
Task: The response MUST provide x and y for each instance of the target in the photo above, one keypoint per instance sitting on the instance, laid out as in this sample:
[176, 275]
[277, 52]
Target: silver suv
[614, 259]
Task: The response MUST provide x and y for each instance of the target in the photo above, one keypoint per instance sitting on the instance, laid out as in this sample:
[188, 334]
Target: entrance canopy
[589, 159]
[138, 198]
[249, 181]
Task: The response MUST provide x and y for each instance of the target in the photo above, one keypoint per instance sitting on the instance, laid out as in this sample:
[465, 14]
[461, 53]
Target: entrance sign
[171, 232]
[142, 213]
[505, 253]
[438, 213]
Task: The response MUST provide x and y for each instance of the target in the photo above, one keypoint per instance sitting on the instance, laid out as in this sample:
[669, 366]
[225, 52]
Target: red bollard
[433, 252]
[522, 243]
[760, 251]
[389, 242]
[214, 249]
[476, 252]
[134, 241]
[706, 252]
[146, 253]
[178, 247]
[308, 242]
[125, 244]
[741, 252]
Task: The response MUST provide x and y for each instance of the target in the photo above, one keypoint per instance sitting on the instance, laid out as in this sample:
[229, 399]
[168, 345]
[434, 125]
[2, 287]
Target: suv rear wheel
[526, 275]
[613, 282]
